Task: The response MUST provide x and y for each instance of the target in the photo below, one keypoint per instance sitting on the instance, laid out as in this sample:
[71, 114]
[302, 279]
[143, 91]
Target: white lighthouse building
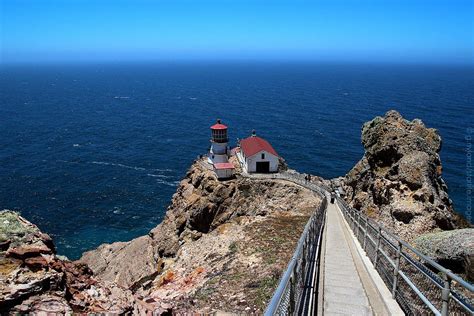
[219, 150]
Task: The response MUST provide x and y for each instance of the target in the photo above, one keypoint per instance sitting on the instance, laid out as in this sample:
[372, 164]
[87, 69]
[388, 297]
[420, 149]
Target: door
[263, 166]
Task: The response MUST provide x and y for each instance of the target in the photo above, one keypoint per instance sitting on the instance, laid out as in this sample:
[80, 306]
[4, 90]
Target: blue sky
[416, 31]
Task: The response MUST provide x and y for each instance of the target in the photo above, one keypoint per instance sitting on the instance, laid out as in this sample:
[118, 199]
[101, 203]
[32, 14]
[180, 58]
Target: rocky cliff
[221, 247]
[34, 279]
[398, 181]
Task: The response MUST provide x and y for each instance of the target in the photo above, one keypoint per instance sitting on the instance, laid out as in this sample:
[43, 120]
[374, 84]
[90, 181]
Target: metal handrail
[402, 249]
[287, 297]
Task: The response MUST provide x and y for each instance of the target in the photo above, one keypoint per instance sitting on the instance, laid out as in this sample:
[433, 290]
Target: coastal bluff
[222, 245]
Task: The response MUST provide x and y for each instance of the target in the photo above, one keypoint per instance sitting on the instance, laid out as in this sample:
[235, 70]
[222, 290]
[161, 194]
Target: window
[263, 156]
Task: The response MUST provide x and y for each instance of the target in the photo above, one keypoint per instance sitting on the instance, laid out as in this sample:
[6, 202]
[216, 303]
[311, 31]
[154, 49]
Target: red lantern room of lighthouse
[219, 140]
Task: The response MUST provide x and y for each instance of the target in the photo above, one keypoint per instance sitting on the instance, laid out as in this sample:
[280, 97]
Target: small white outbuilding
[223, 170]
[256, 155]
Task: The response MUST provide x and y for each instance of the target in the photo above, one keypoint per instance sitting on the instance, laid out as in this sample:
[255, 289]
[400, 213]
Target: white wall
[218, 148]
[223, 173]
[252, 161]
[217, 158]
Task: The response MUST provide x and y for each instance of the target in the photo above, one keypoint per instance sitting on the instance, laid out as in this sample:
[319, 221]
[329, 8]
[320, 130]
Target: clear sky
[433, 31]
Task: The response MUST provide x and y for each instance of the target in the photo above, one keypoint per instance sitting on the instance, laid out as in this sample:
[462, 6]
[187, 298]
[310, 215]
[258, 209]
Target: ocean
[93, 153]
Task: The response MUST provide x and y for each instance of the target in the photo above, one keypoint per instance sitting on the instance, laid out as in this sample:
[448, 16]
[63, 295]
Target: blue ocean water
[93, 153]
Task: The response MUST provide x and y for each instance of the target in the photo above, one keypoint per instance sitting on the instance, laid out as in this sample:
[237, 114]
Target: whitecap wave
[117, 210]
[117, 165]
[161, 176]
[161, 170]
[169, 183]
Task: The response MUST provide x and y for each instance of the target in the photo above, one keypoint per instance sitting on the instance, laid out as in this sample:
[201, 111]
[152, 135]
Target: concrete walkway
[344, 292]
[348, 282]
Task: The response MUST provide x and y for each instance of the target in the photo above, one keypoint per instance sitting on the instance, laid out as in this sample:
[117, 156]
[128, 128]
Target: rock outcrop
[221, 246]
[398, 181]
[452, 249]
[34, 279]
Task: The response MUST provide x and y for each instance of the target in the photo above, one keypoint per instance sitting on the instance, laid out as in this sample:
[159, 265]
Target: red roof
[254, 144]
[218, 126]
[224, 165]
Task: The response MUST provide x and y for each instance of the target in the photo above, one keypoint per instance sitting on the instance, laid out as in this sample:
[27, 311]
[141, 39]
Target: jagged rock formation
[34, 279]
[222, 245]
[398, 181]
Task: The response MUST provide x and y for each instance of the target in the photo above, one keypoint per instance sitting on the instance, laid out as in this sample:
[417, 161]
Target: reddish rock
[33, 280]
[36, 263]
[24, 252]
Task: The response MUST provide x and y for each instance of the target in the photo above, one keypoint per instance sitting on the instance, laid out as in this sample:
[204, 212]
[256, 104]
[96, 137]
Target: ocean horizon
[92, 153]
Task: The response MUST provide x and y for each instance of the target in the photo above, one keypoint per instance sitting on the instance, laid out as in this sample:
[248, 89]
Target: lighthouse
[218, 152]
[219, 140]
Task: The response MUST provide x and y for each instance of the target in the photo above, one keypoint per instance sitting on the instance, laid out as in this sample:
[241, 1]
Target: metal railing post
[359, 226]
[356, 224]
[305, 254]
[377, 249]
[397, 268]
[291, 306]
[445, 294]
[365, 234]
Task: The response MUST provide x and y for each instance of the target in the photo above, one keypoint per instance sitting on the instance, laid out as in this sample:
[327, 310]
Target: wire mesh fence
[419, 285]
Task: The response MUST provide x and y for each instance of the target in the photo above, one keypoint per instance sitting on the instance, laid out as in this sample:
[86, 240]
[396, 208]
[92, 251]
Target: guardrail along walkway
[346, 264]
